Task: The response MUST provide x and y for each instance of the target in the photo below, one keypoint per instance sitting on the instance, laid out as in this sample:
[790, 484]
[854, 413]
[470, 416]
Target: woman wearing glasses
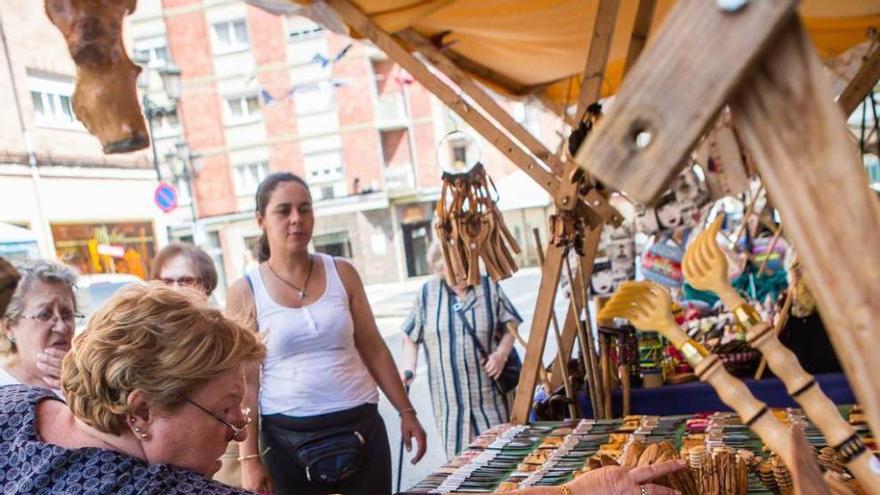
[38, 325]
[185, 265]
[154, 390]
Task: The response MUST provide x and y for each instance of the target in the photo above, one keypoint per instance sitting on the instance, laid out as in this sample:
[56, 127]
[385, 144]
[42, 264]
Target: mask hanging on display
[724, 160]
[602, 281]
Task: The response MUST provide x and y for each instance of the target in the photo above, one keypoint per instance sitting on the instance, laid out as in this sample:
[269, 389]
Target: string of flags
[399, 76]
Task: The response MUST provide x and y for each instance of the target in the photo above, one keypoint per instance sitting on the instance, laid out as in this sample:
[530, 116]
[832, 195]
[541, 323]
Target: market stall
[748, 68]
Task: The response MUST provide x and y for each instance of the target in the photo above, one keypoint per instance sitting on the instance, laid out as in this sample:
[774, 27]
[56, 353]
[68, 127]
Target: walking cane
[408, 375]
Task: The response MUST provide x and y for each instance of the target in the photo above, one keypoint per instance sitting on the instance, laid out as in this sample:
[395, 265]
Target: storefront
[118, 247]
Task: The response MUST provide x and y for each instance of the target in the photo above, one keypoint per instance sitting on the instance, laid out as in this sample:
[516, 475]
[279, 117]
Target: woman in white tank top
[317, 390]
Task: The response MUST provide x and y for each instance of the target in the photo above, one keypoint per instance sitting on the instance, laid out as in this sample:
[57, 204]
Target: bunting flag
[319, 58]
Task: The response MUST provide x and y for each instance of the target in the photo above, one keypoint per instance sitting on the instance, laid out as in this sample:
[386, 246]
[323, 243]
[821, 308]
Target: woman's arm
[410, 359]
[377, 357]
[240, 307]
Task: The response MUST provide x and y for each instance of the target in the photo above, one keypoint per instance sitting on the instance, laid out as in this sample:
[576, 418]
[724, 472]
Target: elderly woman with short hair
[38, 324]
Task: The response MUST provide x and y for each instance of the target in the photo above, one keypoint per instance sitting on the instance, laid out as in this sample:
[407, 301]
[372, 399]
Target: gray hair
[49, 272]
[435, 258]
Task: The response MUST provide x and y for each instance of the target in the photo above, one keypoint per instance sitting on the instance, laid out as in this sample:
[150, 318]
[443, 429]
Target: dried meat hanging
[469, 227]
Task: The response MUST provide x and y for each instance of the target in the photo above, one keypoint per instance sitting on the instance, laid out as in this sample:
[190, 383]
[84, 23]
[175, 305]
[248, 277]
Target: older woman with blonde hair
[38, 324]
[154, 389]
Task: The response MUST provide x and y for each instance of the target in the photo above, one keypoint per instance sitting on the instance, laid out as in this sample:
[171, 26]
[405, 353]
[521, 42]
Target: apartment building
[264, 93]
[57, 188]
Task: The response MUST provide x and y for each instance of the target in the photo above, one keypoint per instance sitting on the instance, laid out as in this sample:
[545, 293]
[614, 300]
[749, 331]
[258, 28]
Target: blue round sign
[165, 197]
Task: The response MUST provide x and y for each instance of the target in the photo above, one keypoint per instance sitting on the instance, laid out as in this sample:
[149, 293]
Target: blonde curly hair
[163, 341]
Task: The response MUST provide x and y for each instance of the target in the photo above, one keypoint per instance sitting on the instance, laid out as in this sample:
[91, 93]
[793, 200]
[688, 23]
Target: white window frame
[51, 90]
[151, 46]
[258, 171]
[247, 115]
[323, 168]
[235, 44]
[304, 33]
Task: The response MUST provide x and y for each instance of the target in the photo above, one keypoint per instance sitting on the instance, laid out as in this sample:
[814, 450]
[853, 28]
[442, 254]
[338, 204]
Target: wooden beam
[464, 81]
[534, 357]
[641, 29]
[788, 120]
[486, 73]
[569, 328]
[665, 104]
[359, 21]
[597, 55]
[862, 84]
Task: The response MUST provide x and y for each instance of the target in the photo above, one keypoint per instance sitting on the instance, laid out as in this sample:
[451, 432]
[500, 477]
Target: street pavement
[391, 303]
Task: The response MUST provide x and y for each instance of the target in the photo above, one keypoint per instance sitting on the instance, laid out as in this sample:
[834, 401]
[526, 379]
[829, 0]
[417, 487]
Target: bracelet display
[746, 316]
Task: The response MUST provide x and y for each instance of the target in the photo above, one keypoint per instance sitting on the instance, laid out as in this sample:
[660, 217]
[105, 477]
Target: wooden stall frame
[641, 144]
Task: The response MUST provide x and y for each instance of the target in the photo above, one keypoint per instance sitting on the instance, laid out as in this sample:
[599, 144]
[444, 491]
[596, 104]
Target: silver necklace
[301, 292]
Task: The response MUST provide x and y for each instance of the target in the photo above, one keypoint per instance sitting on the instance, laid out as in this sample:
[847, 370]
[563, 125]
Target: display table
[667, 400]
[694, 397]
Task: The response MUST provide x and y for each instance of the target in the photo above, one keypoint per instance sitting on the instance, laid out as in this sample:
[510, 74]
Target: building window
[152, 50]
[315, 98]
[242, 109]
[248, 176]
[336, 244]
[50, 97]
[230, 36]
[325, 174]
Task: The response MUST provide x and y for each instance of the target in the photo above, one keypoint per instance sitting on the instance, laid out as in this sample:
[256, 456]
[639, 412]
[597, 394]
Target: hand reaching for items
[614, 480]
[255, 477]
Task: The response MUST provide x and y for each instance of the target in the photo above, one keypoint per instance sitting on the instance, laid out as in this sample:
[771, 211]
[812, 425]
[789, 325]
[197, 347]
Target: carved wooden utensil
[648, 307]
[105, 99]
[705, 268]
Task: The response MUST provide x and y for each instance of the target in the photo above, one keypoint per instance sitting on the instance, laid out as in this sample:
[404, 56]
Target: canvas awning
[540, 46]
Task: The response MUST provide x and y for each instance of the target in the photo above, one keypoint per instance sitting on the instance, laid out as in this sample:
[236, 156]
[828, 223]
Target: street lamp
[181, 162]
[171, 76]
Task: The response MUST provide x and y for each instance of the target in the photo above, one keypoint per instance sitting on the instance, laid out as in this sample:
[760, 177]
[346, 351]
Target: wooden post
[537, 335]
[569, 328]
[786, 114]
[863, 82]
[639, 37]
[562, 364]
[673, 94]
[597, 55]
[442, 63]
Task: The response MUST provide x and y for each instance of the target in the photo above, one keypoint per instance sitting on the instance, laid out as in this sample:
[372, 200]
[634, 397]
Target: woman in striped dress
[465, 401]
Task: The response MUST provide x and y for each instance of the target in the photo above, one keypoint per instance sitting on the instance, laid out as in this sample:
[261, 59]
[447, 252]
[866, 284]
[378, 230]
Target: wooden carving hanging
[105, 99]
[469, 228]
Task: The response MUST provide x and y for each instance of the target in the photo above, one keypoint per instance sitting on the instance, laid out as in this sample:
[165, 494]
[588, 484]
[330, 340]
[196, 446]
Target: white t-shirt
[6, 378]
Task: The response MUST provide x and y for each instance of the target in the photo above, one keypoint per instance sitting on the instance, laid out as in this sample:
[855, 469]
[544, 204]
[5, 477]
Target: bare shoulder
[349, 274]
[239, 297]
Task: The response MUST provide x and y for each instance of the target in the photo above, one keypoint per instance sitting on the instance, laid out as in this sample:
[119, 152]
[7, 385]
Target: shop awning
[13, 234]
[540, 46]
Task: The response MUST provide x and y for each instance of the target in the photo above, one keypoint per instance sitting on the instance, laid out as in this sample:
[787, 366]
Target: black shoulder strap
[467, 326]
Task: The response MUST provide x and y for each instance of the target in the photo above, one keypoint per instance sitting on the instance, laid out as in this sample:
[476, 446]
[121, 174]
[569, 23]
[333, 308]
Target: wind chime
[469, 228]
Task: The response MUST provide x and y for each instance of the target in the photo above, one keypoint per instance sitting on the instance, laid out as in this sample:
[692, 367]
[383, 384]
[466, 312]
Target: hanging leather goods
[471, 229]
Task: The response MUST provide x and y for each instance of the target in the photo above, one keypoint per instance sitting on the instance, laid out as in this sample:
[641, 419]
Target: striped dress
[464, 399]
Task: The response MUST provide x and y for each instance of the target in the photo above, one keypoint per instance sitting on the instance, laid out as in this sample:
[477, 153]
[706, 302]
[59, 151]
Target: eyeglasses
[235, 431]
[187, 281]
[50, 316]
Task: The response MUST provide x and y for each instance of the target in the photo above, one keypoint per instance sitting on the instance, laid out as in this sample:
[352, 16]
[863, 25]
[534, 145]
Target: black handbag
[509, 377]
[328, 456]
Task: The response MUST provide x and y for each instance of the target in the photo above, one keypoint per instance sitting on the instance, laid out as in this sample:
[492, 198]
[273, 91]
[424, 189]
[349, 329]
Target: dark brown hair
[264, 192]
[202, 263]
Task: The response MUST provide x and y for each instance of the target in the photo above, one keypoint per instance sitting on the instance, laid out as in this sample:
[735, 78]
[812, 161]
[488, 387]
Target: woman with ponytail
[318, 387]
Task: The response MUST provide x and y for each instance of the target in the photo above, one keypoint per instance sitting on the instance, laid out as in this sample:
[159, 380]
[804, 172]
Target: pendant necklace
[301, 292]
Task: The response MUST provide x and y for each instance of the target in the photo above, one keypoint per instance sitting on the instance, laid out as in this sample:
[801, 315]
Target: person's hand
[49, 362]
[254, 476]
[614, 480]
[410, 428]
[494, 364]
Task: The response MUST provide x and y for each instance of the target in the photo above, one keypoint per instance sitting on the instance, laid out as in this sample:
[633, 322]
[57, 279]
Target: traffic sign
[165, 197]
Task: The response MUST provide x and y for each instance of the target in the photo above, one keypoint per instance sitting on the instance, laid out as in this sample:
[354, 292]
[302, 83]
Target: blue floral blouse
[30, 466]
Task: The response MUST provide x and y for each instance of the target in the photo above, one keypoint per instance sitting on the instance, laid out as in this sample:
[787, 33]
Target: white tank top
[312, 366]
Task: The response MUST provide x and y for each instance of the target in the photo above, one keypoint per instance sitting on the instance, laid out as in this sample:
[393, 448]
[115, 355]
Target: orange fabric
[542, 44]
